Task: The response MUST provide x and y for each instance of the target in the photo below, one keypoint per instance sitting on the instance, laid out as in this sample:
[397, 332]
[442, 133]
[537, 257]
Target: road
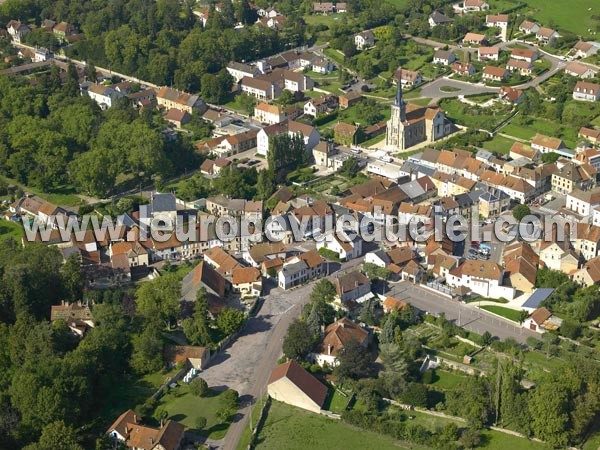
[464, 315]
[247, 364]
[432, 89]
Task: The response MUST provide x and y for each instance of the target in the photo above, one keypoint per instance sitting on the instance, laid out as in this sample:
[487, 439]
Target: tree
[230, 320]
[393, 358]
[286, 98]
[147, 351]
[158, 300]
[415, 394]
[349, 167]
[324, 290]
[387, 332]
[247, 102]
[354, 361]
[487, 338]
[265, 185]
[286, 152]
[196, 328]
[200, 423]
[520, 211]
[298, 341]
[470, 438]
[198, 387]
[314, 321]
[72, 278]
[549, 406]
[57, 436]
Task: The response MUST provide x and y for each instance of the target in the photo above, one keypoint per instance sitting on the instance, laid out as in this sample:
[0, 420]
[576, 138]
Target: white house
[444, 57]
[488, 53]
[497, 20]
[364, 39]
[346, 250]
[239, 70]
[583, 202]
[353, 286]
[42, 54]
[545, 35]
[261, 89]
[378, 257]
[584, 49]
[475, 5]
[337, 336]
[528, 27]
[105, 96]
[309, 134]
[586, 91]
[291, 384]
[269, 114]
[17, 30]
[300, 269]
[482, 277]
[437, 18]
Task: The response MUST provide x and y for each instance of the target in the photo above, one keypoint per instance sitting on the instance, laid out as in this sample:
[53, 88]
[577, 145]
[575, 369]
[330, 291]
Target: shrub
[198, 387]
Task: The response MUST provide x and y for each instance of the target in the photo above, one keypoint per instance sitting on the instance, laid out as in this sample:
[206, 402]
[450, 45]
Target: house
[104, 95]
[495, 74]
[322, 65]
[240, 70]
[336, 337]
[349, 98]
[213, 281]
[408, 78]
[134, 252]
[291, 384]
[475, 5]
[545, 35]
[128, 431]
[573, 176]
[392, 304]
[520, 265]
[321, 105]
[482, 277]
[346, 250]
[221, 261]
[322, 152]
[583, 202]
[268, 12]
[275, 22]
[345, 134]
[525, 54]
[247, 281]
[541, 320]
[364, 39]
[511, 95]
[62, 30]
[309, 134]
[437, 18]
[299, 269]
[170, 98]
[589, 274]
[341, 7]
[589, 156]
[224, 206]
[546, 144]
[528, 27]
[590, 134]
[269, 114]
[323, 7]
[143, 99]
[576, 69]
[261, 89]
[463, 69]
[444, 57]
[352, 286]
[586, 91]
[264, 251]
[584, 49]
[474, 38]
[497, 20]
[588, 240]
[42, 54]
[190, 356]
[214, 167]
[17, 30]
[77, 316]
[488, 53]
[518, 65]
[520, 150]
[177, 117]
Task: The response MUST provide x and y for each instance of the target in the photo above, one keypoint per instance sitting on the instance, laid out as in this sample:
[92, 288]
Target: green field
[13, 229]
[573, 17]
[510, 314]
[442, 379]
[185, 408]
[498, 144]
[567, 133]
[290, 428]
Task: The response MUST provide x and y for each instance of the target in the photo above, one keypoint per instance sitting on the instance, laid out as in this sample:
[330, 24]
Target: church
[410, 125]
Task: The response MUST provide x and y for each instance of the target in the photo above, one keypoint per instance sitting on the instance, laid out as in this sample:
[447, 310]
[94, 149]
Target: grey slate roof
[538, 296]
[163, 202]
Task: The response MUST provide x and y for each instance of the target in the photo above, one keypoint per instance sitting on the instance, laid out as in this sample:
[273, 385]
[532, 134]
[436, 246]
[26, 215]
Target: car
[386, 159]
[475, 244]
[356, 150]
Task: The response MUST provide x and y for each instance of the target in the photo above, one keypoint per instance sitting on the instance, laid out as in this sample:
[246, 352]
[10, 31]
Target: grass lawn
[335, 55]
[62, 196]
[336, 402]
[373, 141]
[8, 228]
[449, 89]
[290, 428]
[593, 443]
[499, 144]
[398, 3]
[322, 19]
[184, 408]
[475, 116]
[510, 314]
[443, 379]
[124, 395]
[420, 101]
[576, 18]
[550, 128]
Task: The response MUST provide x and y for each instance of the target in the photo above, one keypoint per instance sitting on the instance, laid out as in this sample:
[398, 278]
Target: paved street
[464, 315]
[246, 365]
[432, 90]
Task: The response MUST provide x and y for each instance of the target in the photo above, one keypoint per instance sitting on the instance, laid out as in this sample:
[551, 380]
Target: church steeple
[399, 101]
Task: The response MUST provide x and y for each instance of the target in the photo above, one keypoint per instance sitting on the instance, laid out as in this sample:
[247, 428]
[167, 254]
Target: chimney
[329, 349]
[134, 418]
[151, 440]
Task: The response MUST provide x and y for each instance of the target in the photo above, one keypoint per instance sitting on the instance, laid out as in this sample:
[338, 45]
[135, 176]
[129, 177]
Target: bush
[198, 387]
[427, 377]
[534, 343]
[570, 329]
[200, 422]
[415, 395]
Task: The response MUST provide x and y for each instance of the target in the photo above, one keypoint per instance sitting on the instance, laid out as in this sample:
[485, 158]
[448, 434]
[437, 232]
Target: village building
[494, 74]
[170, 98]
[437, 18]
[336, 337]
[290, 383]
[579, 70]
[444, 57]
[364, 39]
[586, 91]
[127, 430]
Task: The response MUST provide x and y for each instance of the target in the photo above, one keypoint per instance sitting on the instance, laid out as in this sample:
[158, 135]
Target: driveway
[464, 315]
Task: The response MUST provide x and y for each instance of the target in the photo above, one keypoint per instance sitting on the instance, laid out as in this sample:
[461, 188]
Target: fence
[259, 424]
